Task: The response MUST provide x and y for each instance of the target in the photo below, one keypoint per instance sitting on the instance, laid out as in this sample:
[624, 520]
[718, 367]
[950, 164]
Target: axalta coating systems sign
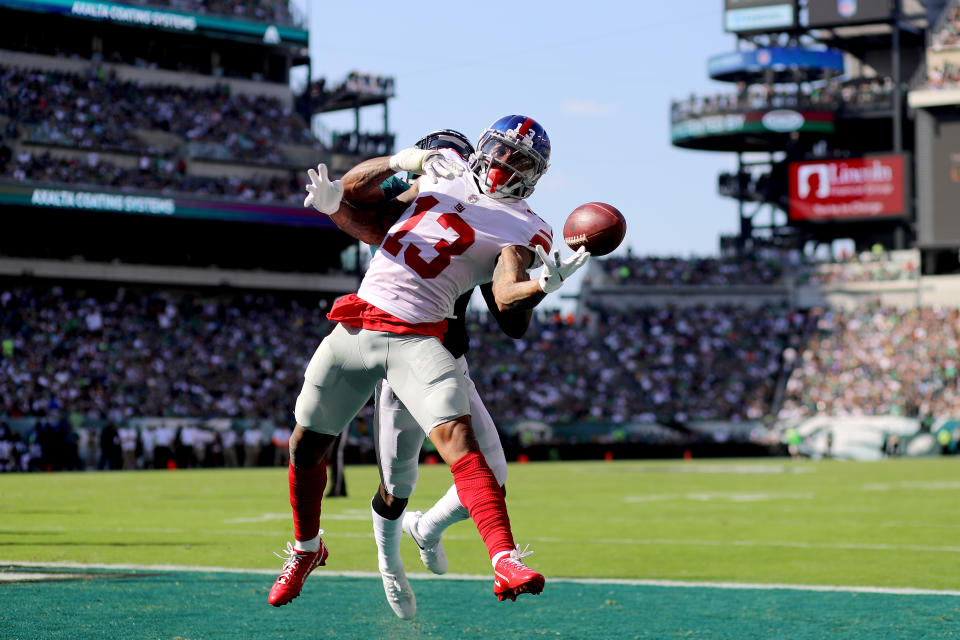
[64, 199]
[851, 189]
[134, 15]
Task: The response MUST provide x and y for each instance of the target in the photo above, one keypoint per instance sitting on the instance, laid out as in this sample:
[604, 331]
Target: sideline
[902, 591]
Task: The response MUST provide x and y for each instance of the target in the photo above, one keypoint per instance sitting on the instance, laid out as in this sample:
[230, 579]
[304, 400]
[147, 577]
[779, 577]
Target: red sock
[480, 493]
[306, 492]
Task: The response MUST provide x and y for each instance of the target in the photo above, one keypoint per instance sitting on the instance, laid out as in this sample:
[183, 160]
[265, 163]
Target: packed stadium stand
[877, 360]
[152, 163]
[642, 373]
[941, 70]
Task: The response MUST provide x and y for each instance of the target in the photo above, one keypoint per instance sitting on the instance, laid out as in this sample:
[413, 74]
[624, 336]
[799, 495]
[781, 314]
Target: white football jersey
[445, 244]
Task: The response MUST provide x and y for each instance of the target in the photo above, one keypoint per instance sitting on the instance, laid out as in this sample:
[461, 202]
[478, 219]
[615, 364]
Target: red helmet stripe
[525, 127]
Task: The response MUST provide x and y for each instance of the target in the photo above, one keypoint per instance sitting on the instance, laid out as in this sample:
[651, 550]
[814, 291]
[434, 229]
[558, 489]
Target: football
[598, 226]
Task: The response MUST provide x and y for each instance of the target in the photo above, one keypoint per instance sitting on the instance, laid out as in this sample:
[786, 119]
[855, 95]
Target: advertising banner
[847, 190]
[838, 13]
[746, 16]
[774, 121]
[172, 20]
[71, 199]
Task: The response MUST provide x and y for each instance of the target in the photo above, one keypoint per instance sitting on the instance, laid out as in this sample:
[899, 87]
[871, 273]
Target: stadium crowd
[866, 266]
[876, 360]
[765, 267]
[666, 365]
[117, 357]
[118, 354]
[99, 111]
[674, 271]
[944, 76]
[157, 173]
[59, 445]
[857, 92]
[947, 36]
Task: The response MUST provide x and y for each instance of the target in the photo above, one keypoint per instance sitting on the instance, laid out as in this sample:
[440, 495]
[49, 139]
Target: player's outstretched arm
[426, 162]
[370, 223]
[363, 183]
[513, 323]
[556, 271]
[357, 204]
[511, 286]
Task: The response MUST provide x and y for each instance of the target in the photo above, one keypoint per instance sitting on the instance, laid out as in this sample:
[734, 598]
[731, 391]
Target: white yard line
[788, 544]
[903, 591]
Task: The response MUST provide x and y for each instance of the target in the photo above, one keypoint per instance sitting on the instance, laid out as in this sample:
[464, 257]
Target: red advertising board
[850, 189]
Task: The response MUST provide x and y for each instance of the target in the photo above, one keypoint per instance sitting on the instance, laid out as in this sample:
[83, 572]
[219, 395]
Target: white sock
[307, 545]
[387, 533]
[446, 511]
[496, 558]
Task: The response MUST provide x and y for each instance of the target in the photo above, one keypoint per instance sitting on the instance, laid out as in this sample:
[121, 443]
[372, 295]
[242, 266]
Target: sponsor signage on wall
[852, 189]
[80, 200]
[174, 20]
[746, 16]
[759, 122]
[839, 13]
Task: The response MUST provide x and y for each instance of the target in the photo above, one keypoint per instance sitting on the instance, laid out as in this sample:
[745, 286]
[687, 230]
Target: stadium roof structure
[781, 64]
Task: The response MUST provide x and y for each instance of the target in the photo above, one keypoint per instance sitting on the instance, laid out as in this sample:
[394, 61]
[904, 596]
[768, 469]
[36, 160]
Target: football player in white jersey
[470, 227]
[398, 437]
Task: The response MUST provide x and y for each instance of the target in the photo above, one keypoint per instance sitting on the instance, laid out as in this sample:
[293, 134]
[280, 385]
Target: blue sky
[599, 77]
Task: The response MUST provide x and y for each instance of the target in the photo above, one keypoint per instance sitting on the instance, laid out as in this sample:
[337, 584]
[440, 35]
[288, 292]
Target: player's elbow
[514, 332]
[514, 322]
[373, 238]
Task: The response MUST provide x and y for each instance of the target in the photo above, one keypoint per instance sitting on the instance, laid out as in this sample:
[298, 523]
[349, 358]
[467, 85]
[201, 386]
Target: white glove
[322, 194]
[429, 162]
[554, 273]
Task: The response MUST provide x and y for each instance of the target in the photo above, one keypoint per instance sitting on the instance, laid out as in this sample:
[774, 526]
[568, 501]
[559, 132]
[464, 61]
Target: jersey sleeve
[542, 235]
[393, 186]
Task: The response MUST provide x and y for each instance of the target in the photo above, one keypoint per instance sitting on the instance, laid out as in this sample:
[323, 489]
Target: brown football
[597, 225]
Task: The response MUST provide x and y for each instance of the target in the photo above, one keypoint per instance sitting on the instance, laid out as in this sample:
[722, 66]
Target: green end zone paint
[156, 603]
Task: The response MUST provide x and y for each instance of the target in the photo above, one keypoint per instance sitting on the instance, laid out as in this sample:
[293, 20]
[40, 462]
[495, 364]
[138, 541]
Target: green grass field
[892, 524]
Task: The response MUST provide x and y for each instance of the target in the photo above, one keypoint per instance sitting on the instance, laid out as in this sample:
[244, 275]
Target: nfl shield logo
[847, 8]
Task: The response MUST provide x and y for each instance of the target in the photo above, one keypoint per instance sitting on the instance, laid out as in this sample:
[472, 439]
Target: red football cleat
[512, 577]
[296, 568]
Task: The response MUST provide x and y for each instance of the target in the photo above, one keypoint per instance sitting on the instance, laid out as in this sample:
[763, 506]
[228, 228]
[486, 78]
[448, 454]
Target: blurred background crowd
[112, 355]
[98, 110]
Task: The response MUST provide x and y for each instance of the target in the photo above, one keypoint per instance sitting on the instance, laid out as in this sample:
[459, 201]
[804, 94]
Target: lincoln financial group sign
[850, 189]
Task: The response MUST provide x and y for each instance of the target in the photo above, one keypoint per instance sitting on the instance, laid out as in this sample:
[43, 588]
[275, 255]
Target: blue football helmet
[511, 156]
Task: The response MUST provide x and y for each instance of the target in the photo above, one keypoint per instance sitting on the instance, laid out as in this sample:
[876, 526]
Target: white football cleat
[399, 594]
[432, 555]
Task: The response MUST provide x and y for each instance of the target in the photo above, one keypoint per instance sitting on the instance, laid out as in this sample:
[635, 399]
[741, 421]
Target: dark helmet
[446, 139]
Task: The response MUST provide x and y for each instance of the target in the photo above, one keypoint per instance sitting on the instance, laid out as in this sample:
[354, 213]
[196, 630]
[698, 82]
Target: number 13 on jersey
[394, 243]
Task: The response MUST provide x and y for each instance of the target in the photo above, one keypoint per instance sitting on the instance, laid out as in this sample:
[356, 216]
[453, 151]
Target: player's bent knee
[388, 506]
[400, 479]
[454, 439]
[307, 448]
